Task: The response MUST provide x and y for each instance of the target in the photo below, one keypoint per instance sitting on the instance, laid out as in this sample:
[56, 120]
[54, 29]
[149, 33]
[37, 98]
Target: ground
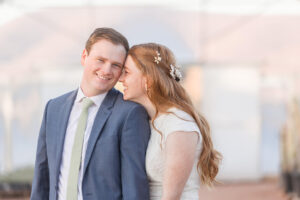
[263, 190]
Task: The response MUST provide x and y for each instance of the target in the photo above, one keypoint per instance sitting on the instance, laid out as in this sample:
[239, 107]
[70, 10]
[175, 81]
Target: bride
[180, 152]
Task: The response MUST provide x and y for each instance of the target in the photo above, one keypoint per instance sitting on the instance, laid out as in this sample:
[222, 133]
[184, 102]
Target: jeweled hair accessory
[175, 73]
[157, 58]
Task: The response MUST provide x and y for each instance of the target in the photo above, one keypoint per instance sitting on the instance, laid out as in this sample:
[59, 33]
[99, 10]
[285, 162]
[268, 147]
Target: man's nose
[106, 69]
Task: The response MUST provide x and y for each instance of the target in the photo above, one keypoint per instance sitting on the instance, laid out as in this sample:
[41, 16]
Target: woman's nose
[121, 79]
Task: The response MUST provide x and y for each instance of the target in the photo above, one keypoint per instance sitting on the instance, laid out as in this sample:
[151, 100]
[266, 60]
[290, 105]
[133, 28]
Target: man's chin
[103, 88]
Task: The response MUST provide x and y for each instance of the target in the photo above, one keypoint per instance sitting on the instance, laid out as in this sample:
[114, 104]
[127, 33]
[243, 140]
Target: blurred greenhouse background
[240, 60]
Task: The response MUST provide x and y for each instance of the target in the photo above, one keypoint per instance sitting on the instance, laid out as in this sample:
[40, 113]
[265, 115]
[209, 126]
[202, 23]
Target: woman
[180, 152]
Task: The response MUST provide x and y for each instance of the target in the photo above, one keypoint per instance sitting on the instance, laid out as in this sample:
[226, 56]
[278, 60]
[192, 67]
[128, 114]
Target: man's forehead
[108, 51]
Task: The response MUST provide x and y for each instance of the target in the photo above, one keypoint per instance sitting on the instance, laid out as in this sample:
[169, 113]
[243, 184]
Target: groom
[92, 143]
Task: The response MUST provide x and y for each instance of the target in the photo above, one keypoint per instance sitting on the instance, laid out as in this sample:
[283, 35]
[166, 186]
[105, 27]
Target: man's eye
[100, 60]
[115, 65]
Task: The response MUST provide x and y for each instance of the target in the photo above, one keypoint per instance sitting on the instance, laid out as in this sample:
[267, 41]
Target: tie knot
[86, 103]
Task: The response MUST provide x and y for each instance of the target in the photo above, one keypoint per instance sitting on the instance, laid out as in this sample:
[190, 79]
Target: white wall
[231, 104]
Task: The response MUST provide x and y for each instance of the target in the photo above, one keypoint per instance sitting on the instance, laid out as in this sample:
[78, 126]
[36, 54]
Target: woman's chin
[125, 97]
[128, 98]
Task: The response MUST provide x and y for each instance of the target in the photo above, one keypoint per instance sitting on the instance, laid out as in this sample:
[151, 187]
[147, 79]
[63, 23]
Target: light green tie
[72, 184]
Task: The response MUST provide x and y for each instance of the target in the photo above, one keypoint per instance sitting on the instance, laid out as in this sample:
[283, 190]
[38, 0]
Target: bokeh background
[240, 60]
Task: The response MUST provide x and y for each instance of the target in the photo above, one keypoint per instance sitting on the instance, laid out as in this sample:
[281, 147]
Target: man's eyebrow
[101, 57]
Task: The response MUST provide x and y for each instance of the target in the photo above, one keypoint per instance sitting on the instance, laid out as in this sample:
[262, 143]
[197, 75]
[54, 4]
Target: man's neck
[88, 92]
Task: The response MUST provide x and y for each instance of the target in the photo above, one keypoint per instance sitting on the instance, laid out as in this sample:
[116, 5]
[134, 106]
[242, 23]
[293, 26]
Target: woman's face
[133, 81]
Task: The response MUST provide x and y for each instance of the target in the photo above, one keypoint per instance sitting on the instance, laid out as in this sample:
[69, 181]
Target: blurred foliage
[23, 175]
[290, 139]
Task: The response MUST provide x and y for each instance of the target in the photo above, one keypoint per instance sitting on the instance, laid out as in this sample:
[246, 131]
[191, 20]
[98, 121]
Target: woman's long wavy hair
[165, 92]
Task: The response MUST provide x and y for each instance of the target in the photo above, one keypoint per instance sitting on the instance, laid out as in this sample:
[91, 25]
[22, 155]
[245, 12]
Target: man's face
[102, 67]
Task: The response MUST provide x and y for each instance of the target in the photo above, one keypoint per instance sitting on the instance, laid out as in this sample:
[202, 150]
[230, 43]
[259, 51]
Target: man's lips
[103, 77]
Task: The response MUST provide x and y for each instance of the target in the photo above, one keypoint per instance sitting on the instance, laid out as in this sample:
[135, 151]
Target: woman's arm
[180, 158]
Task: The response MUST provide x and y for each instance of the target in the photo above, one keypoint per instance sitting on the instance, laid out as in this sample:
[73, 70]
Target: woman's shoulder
[176, 120]
[176, 114]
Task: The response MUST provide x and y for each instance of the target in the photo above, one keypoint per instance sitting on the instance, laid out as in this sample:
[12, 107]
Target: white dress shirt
[69, 140]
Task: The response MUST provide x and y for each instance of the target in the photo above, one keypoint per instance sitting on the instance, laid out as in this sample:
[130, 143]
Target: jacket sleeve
[40, 184]
[133, 146]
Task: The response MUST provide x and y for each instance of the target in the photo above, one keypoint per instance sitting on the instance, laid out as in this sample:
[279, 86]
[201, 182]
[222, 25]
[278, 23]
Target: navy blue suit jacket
[114, 166]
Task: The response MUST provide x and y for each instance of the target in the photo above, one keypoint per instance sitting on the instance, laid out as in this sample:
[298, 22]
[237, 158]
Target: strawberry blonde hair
[166, 92]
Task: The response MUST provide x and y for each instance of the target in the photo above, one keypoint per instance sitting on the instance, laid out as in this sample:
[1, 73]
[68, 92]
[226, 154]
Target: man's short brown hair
[107, 34]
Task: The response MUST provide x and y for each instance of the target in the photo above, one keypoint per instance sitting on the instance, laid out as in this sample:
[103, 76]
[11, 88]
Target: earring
[146, 87]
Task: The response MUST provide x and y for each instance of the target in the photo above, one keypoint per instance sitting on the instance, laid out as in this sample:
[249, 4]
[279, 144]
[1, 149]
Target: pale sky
[11, 9]
[228, 6]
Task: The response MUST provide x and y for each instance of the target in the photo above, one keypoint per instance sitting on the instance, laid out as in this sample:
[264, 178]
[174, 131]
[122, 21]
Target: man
[92, 143]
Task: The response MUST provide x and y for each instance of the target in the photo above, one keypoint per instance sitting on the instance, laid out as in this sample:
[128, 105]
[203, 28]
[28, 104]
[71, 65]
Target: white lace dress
[155, 157]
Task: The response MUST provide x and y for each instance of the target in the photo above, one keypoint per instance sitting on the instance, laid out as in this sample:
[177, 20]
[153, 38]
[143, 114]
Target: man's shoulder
[64, 97]
[126, 105]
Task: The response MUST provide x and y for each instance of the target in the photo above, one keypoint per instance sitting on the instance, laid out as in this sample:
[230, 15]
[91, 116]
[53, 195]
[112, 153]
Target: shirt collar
[96, 99]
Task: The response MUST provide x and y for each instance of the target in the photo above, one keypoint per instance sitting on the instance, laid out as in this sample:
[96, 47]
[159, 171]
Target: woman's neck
[150, 108]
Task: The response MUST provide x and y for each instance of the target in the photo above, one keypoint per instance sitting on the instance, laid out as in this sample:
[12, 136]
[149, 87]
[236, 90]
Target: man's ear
[83, 57]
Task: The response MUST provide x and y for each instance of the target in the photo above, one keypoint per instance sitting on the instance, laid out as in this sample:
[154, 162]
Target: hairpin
[157, 58]
[175, 73]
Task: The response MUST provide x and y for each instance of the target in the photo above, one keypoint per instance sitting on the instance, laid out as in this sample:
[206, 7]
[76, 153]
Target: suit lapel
[63, 118]
[99, 122]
